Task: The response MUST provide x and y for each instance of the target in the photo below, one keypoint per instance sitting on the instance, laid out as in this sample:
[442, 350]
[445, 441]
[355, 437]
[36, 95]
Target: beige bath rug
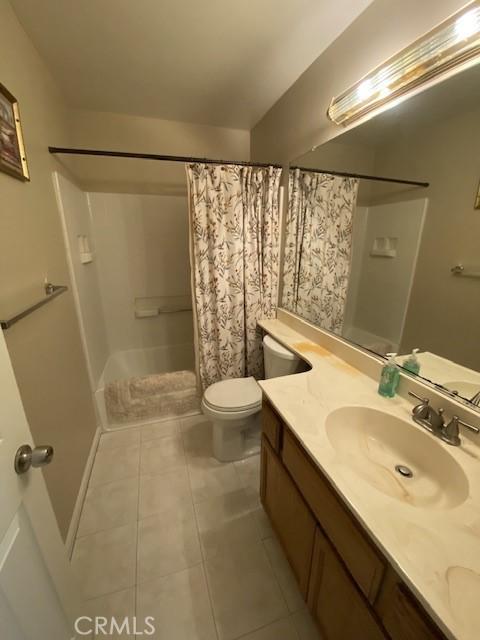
[159, 395]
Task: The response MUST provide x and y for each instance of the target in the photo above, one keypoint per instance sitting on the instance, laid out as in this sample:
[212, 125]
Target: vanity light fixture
[452, 44]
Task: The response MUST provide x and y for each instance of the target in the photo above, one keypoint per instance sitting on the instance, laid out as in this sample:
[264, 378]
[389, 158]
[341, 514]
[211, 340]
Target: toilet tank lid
[277, 349]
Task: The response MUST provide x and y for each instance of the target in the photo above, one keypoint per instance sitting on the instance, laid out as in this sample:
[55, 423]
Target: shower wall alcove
[127, 247]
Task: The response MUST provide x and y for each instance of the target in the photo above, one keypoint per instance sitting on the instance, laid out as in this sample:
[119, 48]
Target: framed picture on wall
[12, 151]
[477, 199]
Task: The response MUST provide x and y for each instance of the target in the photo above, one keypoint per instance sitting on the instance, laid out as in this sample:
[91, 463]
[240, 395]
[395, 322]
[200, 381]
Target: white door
[38, 598]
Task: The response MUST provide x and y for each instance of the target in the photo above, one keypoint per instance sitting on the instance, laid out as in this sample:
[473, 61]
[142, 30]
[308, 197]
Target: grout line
[70, 556]
[205, 574]
[272, 569]
[103, 530]
[138, 519]
[265, 626]
[171, 573]
[110, 593]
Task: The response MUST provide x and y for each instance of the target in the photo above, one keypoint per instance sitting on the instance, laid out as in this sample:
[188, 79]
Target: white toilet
[234, 406]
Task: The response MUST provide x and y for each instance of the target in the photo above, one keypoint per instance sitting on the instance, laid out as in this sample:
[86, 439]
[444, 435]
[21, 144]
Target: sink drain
[404, 471]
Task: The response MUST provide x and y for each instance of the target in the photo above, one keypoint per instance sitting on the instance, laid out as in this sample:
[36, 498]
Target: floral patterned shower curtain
[234, 229]
[318, 246]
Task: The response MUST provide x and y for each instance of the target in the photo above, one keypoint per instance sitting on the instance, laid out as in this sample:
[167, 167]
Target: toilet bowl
[233, 406]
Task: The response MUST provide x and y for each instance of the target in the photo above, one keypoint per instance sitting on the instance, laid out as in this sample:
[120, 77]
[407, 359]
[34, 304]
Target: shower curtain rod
[362, 176]
[155, 156]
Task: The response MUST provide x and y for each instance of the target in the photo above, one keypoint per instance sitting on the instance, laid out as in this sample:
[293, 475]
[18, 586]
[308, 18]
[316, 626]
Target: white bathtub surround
[433, 544]
[234, 212]
[142, 398]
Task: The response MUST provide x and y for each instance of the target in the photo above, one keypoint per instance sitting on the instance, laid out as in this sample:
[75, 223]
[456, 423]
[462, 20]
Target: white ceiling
[218, 62]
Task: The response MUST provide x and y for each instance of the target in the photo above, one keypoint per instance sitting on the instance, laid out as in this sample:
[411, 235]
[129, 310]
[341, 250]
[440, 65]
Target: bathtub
[140, 362]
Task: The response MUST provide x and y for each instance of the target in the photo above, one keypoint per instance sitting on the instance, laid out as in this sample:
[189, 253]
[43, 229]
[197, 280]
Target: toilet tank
[279, 361]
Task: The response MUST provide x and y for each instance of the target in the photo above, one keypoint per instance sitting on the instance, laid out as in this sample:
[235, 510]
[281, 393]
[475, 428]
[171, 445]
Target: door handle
[27, 457]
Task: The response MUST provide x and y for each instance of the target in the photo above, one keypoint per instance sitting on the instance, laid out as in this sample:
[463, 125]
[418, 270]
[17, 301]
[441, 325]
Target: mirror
[391, 265]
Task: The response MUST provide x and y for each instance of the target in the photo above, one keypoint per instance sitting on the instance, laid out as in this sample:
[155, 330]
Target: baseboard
[72, 529]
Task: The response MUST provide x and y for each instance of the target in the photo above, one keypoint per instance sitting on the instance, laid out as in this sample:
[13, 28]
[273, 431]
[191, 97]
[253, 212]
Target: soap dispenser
[390, 377]
[412, 363]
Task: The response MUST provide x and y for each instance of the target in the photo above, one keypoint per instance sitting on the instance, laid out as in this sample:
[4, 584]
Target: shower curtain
[318, 246]
[234, 244]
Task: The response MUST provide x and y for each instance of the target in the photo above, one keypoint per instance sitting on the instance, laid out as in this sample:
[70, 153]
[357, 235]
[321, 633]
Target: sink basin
[465, 389]
[379, 448]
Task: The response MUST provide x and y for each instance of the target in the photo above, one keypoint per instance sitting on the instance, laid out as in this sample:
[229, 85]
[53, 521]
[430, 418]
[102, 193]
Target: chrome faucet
[433, 421]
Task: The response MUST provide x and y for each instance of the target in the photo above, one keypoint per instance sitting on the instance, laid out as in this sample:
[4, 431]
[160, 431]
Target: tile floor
[167, 531]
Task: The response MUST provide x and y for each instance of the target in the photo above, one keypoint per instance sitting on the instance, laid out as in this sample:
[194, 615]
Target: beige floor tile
[105, 562]
[161, 429]
[118, 605]
[180, 605]
[305, 626]
[164, 492]
[197, 439]
[109, 505]
[226, 523]
[260, 515]
[161, 455]
[284, 575]
[115, 464]
[212, 481]
[249, 473]
[245, 594]
[120, 438]
[186, 423]
[167, 543]
[279, 630]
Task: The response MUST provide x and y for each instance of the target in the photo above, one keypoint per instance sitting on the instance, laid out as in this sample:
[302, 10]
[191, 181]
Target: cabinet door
[402, 615]
[290, 516]
[271, 426]
[335, 601]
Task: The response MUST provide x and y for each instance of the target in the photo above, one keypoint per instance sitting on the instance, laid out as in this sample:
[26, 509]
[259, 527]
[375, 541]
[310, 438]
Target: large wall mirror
[395, 265]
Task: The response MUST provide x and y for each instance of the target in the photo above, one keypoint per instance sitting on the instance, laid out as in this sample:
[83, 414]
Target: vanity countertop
[436, 551]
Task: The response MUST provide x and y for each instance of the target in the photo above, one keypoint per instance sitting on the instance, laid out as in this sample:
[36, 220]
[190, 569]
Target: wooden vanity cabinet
[350, 588]
[290, 516]
[272, 427]
[401, 614]
[335, 601]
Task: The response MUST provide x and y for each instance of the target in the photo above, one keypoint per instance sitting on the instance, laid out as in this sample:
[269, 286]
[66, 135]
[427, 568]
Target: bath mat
[159, 395]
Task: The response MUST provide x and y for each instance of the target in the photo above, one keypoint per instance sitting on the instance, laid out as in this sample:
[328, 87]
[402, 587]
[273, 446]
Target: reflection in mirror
[395, 265]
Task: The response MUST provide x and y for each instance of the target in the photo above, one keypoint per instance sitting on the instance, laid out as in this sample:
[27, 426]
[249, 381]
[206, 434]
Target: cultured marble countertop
[436, 551]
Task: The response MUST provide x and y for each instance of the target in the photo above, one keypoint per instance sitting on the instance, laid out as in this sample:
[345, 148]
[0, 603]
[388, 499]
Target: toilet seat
[234, 396]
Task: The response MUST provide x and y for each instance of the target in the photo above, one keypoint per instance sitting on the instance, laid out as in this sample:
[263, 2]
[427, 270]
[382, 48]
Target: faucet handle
[422, 410]
[422, 400]
[469, 426]
[450, 433]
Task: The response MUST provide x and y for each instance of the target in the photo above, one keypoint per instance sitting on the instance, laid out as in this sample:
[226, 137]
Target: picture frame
[477, 198]
[12, 149]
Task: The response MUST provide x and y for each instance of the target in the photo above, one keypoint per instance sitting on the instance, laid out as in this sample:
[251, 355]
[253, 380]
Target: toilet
[234, 405]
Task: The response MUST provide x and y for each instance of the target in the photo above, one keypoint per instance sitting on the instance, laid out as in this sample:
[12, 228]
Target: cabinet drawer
[271, 426]
[336, 603]
[363, 561]
[290, 516]
[402, 615]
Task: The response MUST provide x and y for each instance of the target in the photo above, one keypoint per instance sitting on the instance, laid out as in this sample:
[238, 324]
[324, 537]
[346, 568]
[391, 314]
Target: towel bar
[51, 292]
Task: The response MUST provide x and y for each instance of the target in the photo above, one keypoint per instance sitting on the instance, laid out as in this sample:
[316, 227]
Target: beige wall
[110, 131]
[298, 121]
[45, 347]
